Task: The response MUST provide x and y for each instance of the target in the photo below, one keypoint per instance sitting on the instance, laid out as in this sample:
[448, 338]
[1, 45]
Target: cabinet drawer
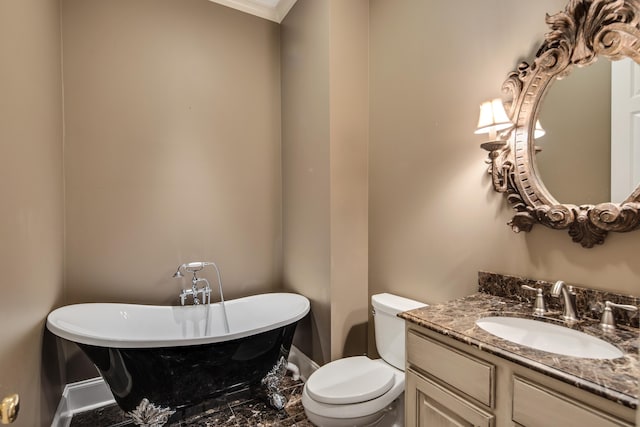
[471, 376]
[534, 405]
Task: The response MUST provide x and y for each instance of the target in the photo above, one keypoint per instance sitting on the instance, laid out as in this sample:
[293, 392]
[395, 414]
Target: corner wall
[31, 212]
[325, 142]
[349, 116]
[305, 169]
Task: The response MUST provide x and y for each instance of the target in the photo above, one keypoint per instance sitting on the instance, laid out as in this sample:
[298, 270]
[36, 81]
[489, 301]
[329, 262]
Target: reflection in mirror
[575, 160]
[625, 129]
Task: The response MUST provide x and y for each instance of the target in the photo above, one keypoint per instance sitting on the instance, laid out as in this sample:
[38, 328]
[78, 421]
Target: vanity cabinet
[449, 383]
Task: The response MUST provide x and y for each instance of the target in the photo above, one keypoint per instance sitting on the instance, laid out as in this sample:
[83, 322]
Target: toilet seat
[361, 409]
[350, 380]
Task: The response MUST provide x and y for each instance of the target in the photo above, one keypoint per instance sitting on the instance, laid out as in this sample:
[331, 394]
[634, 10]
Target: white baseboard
[79, 397]
[304, 363]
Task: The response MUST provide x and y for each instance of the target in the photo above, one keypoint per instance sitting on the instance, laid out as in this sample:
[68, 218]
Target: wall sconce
[538, 132]
[493, 118]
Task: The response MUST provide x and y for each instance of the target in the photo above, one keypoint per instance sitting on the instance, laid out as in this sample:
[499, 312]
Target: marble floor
[236, 410]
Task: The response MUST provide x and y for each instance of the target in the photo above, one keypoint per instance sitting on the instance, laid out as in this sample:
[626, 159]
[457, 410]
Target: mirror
[587, 34]
[576, 115]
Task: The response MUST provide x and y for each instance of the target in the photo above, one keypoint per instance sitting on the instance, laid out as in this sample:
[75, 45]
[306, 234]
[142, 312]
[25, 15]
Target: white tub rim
[298, 305]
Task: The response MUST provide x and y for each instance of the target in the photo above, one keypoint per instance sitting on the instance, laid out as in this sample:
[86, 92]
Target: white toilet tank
[389, 328]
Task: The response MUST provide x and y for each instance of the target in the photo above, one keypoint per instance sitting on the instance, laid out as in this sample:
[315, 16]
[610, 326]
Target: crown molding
[274, 10]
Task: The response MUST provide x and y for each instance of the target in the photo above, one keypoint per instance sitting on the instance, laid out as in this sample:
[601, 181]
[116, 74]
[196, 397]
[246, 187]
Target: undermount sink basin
[550, 338]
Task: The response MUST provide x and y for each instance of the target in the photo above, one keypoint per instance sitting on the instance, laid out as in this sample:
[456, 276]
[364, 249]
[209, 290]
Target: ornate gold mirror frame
[584, 31]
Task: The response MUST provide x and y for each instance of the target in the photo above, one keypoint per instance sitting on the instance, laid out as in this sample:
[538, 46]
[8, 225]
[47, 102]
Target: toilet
[358, 391]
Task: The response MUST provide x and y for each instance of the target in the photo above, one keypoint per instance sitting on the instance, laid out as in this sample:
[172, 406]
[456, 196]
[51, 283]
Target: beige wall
[31, 212]
[434, 220]
[172, 150]
[324, 140]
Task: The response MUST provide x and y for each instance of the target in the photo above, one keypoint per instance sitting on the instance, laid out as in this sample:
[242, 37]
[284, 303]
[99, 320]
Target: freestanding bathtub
[180, 356]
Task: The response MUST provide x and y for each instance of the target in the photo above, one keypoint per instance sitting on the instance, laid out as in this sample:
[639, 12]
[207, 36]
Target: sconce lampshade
[493, 117]
[538, 132]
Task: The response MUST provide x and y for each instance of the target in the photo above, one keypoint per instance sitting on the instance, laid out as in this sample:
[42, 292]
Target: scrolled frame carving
[583, 32]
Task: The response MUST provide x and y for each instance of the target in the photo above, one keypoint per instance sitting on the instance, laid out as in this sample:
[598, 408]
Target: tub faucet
[205, 291]
[195, 291]
[194, 268]
[569, 298]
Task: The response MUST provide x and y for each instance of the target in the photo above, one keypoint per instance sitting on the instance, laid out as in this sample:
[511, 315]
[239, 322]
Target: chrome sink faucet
[569, 298]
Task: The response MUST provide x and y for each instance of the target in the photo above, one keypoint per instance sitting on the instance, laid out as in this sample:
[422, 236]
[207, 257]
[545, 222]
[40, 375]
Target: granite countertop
[615, 379]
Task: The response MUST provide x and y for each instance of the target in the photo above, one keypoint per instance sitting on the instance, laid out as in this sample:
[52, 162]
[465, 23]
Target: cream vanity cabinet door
[431, 405]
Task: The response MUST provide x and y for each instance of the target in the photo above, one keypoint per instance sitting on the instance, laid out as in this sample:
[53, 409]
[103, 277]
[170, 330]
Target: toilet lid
[351, 380]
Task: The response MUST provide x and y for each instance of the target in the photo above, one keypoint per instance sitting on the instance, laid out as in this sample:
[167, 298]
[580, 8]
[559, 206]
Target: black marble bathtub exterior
[615, 379]
[236, 410]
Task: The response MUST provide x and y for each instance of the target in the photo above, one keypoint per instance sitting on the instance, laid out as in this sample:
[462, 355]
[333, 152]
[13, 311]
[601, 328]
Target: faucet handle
[183, 295]
[539, 307]
[608, 322]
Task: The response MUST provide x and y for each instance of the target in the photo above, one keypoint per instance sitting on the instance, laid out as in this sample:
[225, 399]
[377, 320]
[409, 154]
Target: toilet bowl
[359, 391]
[363, 392]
